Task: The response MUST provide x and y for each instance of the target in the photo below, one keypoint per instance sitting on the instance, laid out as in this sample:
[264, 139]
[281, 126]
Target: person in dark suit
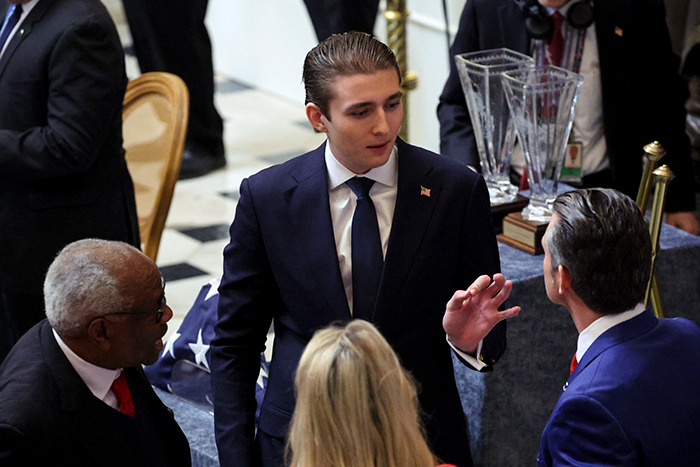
[63, 175]
[72, 390]
[620, 108]
[170, 35]
[631, 398]
[338, 16]
[291, 259]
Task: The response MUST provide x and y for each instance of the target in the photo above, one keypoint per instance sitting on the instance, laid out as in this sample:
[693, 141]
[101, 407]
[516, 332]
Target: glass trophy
[542, 101]
[494, 132]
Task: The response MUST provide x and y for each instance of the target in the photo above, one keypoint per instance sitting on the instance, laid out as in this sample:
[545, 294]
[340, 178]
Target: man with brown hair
[311, 245]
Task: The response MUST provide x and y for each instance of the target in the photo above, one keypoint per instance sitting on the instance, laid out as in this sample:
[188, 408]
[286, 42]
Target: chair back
[156, 109]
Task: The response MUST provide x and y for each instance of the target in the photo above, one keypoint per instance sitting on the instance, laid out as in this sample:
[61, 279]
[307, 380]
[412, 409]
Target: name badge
[571, 170]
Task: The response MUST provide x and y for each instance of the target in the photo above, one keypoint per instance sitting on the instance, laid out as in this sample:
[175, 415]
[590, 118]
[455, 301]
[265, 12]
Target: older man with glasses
[72, 390]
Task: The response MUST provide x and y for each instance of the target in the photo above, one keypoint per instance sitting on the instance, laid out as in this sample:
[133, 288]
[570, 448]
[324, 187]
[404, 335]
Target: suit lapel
[309, 210]
[617, 334]
[24, 30]
[76, 402]
[417, 196]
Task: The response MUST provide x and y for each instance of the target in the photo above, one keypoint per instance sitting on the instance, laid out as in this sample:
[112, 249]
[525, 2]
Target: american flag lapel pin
[618, 31]
[425, 191]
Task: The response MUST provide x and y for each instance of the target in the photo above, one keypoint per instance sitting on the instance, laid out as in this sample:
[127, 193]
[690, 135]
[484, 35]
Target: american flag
[183, 365]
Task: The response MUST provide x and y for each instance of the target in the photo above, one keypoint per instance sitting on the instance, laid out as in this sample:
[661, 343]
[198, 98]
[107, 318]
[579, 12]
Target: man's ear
[564, 279]
[316, 117]
[99, 335]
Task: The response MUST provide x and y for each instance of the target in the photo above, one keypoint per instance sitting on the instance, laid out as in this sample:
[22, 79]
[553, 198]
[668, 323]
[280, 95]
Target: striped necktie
[14, 12]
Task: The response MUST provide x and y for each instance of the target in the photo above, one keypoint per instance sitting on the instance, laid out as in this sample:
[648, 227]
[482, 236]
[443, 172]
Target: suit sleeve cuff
[472, 361]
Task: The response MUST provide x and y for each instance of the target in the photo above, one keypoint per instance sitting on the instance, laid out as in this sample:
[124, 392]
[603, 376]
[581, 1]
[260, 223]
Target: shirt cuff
[476, 363]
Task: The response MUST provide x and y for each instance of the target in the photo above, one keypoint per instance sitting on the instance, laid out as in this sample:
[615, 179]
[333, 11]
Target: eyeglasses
[162, 303]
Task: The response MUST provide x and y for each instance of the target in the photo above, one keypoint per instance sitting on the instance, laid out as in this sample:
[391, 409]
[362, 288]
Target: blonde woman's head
[356, 405]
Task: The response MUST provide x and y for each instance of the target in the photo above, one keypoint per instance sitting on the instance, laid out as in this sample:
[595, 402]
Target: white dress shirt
[343, 202]
[594, 330]
[99, 380]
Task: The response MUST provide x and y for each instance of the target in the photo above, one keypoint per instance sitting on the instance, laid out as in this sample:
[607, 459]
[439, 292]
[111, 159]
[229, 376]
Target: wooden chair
[156, 109]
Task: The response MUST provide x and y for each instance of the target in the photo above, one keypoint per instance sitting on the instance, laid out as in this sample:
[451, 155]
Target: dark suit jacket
[48, 416]
[62, 171]
[643, 96]
[632, 400]
[282, 264]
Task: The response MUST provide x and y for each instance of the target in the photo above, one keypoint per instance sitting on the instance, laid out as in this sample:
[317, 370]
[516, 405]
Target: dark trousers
[18, 313]
[336, 16]
[270, 450]
[170, 35]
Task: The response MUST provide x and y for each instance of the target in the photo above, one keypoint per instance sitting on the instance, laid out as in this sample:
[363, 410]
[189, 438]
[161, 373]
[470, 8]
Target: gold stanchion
[662, 177]
[653, 153]
[395, 16]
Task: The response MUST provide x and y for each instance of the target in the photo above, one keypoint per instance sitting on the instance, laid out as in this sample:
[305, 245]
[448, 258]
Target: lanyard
[574, 40]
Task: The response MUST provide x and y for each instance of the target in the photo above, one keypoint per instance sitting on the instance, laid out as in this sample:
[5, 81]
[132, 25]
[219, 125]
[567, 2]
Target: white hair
[80, 284]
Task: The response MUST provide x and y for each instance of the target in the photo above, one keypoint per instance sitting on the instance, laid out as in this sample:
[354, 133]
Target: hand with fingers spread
[472, 313]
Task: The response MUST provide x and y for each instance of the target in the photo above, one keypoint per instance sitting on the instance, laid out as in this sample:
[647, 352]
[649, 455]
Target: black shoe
[198, 161]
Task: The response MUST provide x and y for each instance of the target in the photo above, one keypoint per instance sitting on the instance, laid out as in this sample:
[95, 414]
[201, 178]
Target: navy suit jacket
[48, 416]
[282, 264]
[643, 95]
[63, 176]
[632, 399]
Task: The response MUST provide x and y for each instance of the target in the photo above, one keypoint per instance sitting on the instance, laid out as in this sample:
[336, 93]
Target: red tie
[121, 391]
[574, 362]
[524, 185]
[556, 42]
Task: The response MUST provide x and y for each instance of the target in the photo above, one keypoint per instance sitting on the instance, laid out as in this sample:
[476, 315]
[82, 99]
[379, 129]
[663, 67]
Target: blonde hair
[356, 405]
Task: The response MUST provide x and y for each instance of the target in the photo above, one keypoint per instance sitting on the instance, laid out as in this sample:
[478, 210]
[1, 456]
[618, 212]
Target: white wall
[264, 42]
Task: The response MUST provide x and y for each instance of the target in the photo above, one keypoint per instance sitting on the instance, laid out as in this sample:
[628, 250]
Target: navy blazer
[632, 399]
[282, 265]
[48, 416]
[643, 95]
[63, 176]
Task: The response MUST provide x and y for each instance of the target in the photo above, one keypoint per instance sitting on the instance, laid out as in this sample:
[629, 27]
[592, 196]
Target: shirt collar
[26, 8]
[564, 9]
[602, 324]
[99, 380]
[338, 174]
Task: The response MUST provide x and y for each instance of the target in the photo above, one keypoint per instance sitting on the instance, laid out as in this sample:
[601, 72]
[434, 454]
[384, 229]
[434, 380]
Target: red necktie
[121, 390]
[574, 362]
[524, 185]
[556, 42]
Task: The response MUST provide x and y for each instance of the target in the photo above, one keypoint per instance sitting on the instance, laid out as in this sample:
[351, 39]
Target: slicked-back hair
[603, 241]
[344, 54]
[356, 405]
[80, 284]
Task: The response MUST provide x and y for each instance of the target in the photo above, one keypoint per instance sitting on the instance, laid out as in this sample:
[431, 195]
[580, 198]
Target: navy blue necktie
[367, 257]
[11, 23]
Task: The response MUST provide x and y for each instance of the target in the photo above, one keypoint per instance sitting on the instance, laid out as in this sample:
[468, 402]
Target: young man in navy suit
[631, 93]
[631, 398]
[290, 260]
